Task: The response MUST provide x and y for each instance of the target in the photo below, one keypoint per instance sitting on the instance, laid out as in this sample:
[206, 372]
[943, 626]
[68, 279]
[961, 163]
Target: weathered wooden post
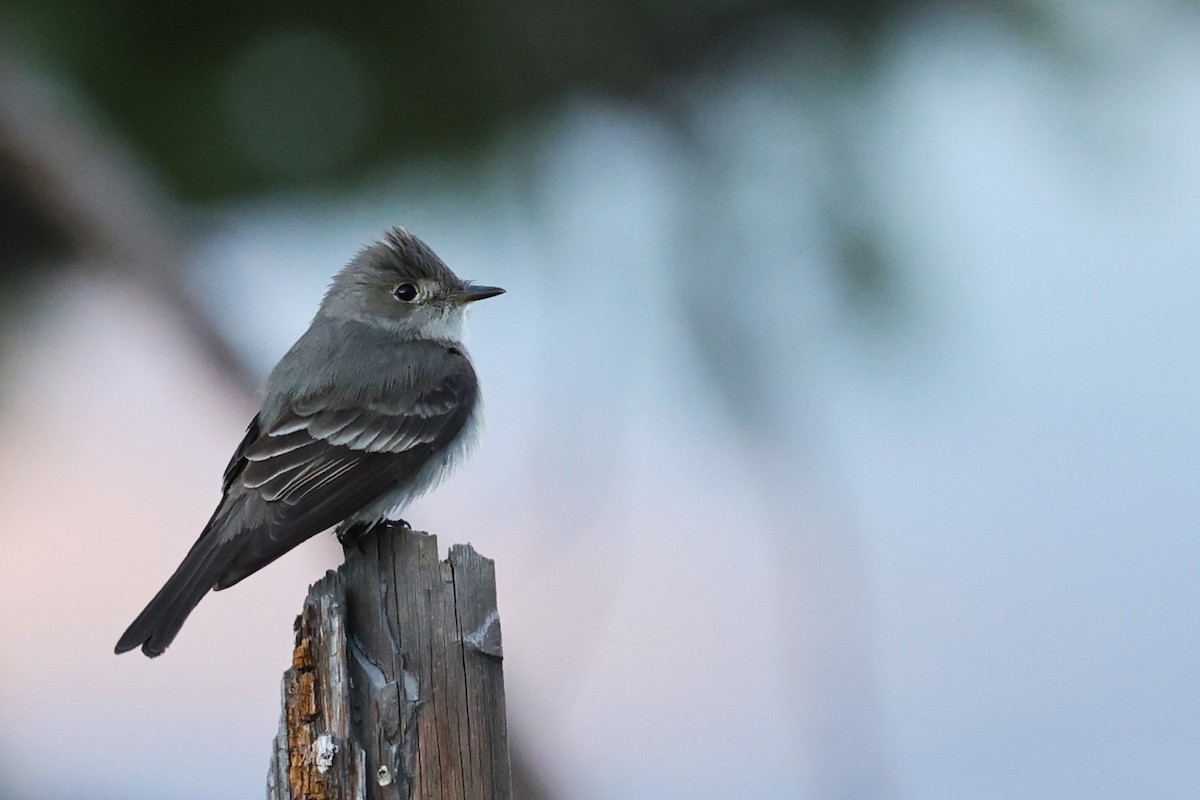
[396, 690]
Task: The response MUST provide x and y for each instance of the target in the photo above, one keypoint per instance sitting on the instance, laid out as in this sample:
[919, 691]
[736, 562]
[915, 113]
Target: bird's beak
[470, 294]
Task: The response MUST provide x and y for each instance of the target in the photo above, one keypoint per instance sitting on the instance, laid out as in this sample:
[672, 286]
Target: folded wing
[324, 459]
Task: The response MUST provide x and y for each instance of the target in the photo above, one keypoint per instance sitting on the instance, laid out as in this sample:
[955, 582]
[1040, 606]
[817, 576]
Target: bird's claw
[354, 534]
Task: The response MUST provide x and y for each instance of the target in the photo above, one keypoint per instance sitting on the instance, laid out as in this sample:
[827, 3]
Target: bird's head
[400, 284]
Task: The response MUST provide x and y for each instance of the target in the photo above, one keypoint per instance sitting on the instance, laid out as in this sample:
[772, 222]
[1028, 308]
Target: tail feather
[158, 624]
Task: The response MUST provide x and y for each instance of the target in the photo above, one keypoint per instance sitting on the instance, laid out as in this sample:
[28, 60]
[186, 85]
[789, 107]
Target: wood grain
[396, 690]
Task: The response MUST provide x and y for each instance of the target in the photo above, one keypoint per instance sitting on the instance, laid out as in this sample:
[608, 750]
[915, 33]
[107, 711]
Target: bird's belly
[432, 473]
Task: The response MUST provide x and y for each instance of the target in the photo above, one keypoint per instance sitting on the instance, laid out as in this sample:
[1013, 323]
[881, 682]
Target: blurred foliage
[226, 98]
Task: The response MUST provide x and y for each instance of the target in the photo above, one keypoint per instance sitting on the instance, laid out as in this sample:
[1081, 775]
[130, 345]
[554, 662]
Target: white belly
[433, 473]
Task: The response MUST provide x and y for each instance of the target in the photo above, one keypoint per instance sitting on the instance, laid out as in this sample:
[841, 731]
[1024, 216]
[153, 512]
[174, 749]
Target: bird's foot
[352, 535]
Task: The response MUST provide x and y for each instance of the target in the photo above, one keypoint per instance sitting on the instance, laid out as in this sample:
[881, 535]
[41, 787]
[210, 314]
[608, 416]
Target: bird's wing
[238, 462]
[325, 457]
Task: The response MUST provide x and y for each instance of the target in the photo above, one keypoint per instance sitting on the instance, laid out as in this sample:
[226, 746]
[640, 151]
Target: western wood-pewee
[369, 409]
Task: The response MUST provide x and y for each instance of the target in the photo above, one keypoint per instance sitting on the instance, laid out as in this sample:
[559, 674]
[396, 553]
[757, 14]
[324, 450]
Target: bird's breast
[435, 470]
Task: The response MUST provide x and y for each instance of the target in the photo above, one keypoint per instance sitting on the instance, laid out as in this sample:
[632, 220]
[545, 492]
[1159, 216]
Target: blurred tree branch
[74, 196]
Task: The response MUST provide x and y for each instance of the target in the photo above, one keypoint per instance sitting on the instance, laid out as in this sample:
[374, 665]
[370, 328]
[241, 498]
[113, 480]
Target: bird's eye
[406, 292]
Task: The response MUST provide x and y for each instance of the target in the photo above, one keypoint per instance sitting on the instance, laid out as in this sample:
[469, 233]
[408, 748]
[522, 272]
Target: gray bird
[369, 409]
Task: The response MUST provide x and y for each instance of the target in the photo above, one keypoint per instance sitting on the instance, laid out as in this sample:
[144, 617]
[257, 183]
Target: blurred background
[842, 426]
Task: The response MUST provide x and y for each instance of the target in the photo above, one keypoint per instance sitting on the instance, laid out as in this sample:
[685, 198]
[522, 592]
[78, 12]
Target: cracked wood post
[396, 689]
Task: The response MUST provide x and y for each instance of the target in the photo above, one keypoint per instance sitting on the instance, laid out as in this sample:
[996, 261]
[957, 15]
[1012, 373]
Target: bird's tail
[156, 627]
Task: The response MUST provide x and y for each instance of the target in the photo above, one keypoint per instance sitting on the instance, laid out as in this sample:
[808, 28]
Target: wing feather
[324, 458]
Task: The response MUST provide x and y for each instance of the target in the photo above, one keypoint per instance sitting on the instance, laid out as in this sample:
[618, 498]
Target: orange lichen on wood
[302, 657]
[306, 696]
[302, 711]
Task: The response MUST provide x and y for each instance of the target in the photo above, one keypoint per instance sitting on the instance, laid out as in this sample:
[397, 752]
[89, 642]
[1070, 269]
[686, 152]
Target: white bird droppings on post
[384, 776]
[324, 750]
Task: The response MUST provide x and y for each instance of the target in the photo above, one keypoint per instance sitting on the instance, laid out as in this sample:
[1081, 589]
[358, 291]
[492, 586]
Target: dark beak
[472, 293]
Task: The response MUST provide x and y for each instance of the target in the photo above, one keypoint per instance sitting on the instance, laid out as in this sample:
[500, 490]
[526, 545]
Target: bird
[371, 407]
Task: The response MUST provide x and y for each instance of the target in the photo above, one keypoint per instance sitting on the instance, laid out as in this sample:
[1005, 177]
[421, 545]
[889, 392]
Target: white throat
[447, 326]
